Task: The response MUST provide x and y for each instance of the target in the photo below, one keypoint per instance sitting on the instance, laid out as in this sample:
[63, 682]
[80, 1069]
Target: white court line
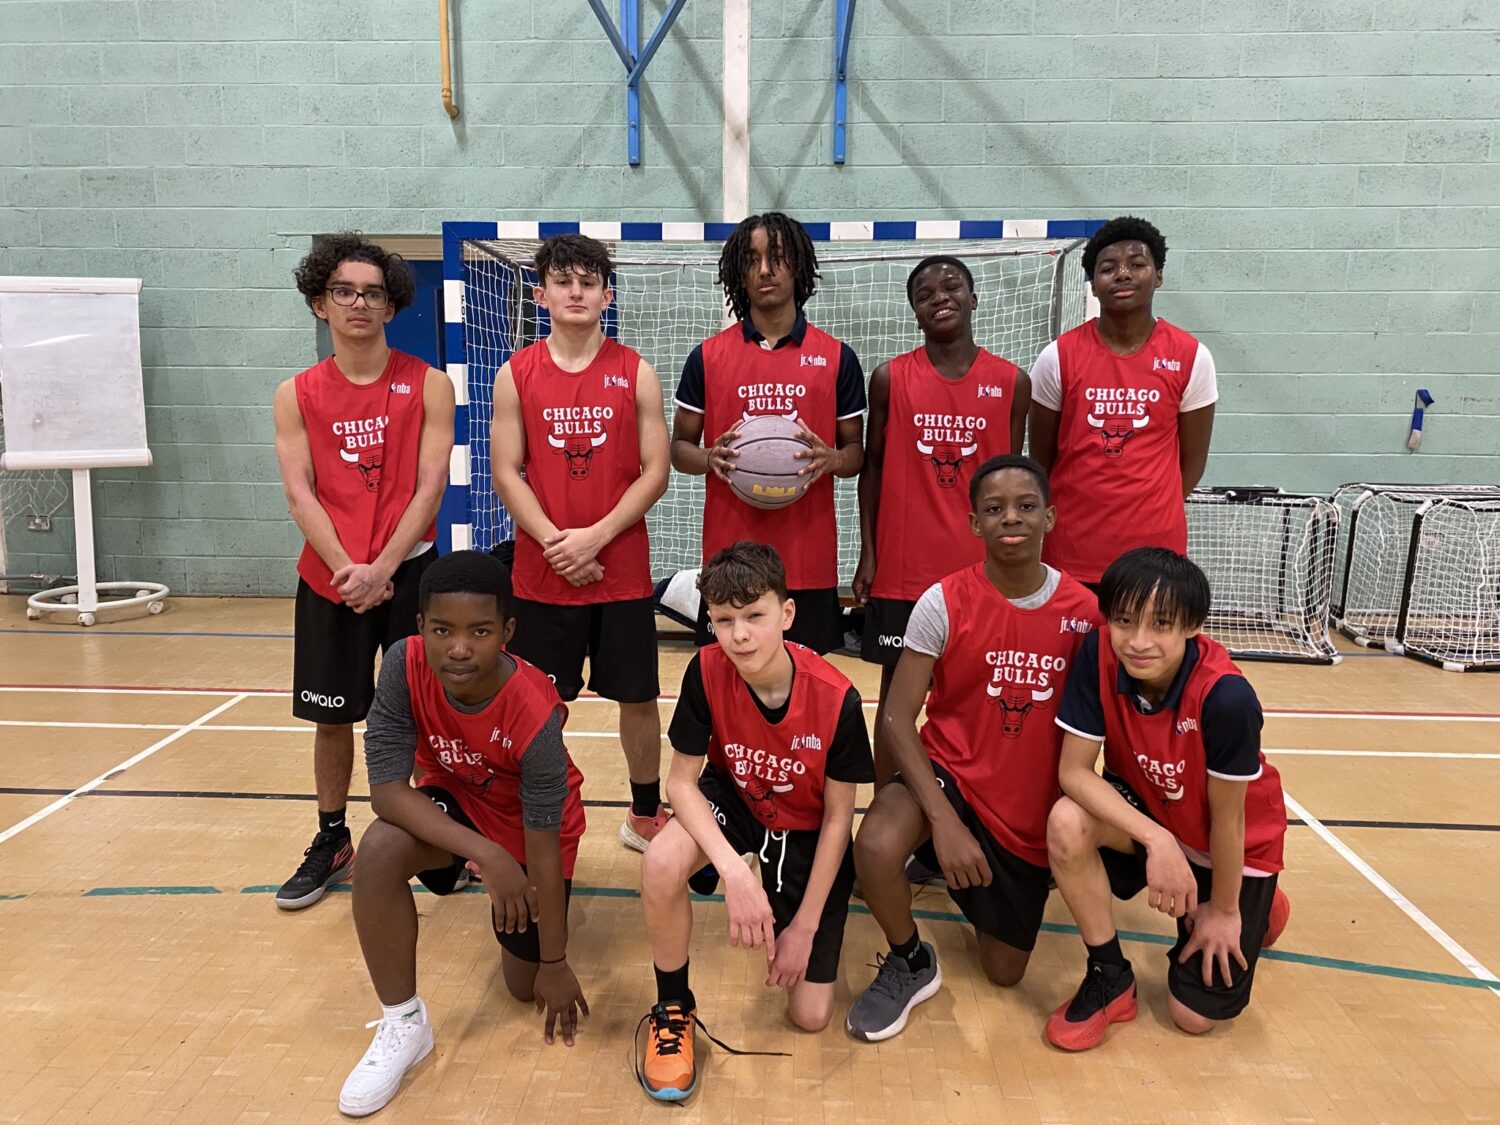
[1315, 753]
[88, 786]
[76, 690]
[1381, 717]
[86, 726]
[1407, 907]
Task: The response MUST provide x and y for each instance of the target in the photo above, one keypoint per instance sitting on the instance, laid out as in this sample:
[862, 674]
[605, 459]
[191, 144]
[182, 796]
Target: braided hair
[788, 243]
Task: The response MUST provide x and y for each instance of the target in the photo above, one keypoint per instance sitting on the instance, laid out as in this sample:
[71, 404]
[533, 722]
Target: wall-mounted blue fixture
[843, 25]
[626, 40]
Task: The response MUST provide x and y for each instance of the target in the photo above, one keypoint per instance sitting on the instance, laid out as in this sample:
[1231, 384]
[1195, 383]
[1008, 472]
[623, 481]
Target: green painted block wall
[1326, 175]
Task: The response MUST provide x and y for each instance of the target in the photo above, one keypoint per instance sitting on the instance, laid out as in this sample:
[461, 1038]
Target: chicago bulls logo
[1116, 431]
[578, 451]
[1015, 705]
[761, 795]
[368, 462]
[947, 458]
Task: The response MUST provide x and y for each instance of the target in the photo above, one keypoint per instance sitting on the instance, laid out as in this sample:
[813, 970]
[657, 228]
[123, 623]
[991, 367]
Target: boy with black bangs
[774, 362]
[1187, 806]
[996, 640]
[783, 735]
[579, 455]
[498, 796]
[1122, 411]
[936, 412]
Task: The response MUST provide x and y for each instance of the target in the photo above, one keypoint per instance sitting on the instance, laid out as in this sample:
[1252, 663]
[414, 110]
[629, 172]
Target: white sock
[411, 1010]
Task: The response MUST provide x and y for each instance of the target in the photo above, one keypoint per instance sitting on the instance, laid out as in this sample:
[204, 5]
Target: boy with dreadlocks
[1122, 410]
[774, 362]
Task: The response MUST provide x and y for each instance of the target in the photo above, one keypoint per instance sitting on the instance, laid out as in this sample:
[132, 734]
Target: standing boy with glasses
[363, 439]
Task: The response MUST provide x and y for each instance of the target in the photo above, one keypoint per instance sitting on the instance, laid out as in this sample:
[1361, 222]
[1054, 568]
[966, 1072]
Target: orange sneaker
[1106, 996]
[670, 1073]
[638, 831]
[1281, 912]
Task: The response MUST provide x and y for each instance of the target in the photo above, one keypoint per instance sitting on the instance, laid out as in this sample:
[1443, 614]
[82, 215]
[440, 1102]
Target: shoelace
[888, 973]
[389, 1037]
[1093, 993]
[671, 1028]
[322, 843]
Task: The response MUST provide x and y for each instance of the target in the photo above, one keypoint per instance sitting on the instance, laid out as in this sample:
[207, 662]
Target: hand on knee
[1188, 1020]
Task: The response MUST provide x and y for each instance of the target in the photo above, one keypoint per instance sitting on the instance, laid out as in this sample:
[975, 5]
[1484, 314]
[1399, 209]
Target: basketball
[765, 474]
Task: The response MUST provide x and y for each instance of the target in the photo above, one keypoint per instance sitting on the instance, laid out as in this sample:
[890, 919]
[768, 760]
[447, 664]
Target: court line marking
[666, 698]
[68, 798]
[306, 728]
[1369, 968]
[1475, 967]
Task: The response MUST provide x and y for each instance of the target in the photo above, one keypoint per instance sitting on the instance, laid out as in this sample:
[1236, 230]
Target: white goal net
[1269, 560]
[1451, 612]
[28, 498]
[668, 300]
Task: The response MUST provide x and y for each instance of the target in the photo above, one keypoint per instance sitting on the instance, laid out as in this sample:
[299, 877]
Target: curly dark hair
[741, 574]
[926, 264]
[467, 572]
[1127, 228]
[788, 242]
[1000, 463]
[330, 251]
[567, 253]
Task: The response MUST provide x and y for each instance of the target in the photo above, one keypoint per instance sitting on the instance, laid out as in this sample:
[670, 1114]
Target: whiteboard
[70, 373]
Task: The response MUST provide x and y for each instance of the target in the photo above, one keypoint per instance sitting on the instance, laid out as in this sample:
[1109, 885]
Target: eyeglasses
[346, 296]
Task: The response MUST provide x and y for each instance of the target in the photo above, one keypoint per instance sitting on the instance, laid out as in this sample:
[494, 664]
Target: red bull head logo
[579, 451]
[947, 458]
[1116, 432]
[1015, 705]
[368, 462]
[761, 795]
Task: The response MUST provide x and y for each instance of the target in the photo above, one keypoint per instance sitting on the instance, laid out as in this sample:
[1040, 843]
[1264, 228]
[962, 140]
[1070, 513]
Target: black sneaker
[1106, 996]
[329, 860]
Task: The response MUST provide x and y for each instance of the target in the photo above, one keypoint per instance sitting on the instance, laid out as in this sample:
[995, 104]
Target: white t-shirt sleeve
[1046, 377]
[1202, 387]
[927, 627]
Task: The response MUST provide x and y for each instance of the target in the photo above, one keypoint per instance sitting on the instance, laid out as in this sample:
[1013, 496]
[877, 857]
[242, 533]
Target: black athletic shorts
[885, 630]
[333, 648]
[786, 861]
[524, 946]
[1127, 878]
[818, 624]
[619, 639]
[1010, 908]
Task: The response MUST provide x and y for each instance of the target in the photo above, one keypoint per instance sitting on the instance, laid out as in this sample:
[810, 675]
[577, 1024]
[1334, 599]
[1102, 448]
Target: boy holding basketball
[579, 456]
[1187, 806]
[498, 796]
[773, 362]
[935, 413]
[363, 440]
[997, 641]
[1122, 411]
[784, 736]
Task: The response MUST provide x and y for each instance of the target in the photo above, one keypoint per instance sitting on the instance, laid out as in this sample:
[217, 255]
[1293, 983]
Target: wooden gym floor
[154, 790]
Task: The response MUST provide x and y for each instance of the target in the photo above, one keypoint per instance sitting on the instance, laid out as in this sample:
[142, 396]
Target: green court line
[11, 898]
[1394, 972]
[107, 892]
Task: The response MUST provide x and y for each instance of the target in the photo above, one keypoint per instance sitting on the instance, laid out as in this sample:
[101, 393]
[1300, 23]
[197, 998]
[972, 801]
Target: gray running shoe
[880, 1011]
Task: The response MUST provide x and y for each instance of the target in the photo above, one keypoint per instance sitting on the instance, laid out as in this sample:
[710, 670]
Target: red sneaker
[1281, 912]
[1106, 996]
[638, 831]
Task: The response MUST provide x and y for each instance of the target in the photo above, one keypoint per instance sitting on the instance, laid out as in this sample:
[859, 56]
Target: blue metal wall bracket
[626, 40]
[843, 26]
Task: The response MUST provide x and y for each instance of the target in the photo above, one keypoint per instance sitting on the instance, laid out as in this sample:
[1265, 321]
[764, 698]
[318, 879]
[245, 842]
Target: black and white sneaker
[880, 1011]
[329, 860]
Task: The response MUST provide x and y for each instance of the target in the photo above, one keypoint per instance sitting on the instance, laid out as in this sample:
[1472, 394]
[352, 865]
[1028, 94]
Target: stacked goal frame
[1028, 277]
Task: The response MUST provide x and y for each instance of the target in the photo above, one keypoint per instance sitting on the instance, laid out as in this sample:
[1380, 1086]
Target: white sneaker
[399, 1045]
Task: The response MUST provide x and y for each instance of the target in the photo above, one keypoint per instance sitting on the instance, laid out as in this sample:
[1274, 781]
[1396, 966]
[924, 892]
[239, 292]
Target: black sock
[333, 822]
[912, 953]
[673, 985]
[645, 797]
[1107, 954]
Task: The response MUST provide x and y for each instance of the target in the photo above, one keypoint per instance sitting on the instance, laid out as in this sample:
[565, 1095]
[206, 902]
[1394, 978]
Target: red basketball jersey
[995, 691]
[740, 380]
[938, 431]
[477, 757]
[777, 767]
[1117, 483]
[1161, 758]
[582, 452]
[365, 442]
